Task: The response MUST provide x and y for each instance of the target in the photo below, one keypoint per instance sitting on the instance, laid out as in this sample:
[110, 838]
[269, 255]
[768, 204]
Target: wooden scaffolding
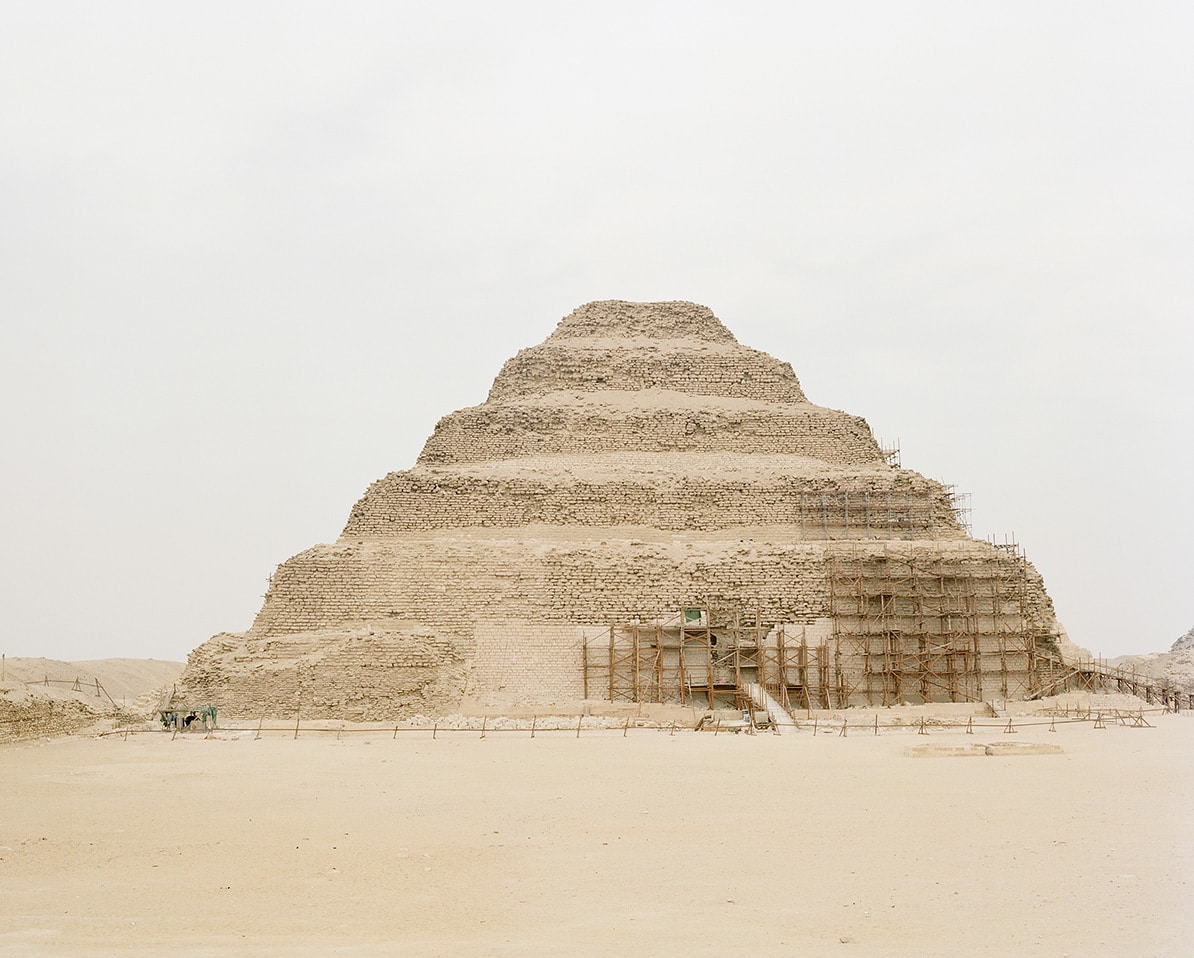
[707, 658]
[931, 625]
[904, 626]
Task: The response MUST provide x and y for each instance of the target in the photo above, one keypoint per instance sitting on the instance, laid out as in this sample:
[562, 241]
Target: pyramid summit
[639, 481]
[617, 318]
[615, 345]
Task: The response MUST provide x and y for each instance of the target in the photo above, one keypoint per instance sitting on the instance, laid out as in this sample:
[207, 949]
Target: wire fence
[77, 684]
[842, 726]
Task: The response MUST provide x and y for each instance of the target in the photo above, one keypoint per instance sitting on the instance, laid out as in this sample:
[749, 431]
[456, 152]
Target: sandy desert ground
[656, 844]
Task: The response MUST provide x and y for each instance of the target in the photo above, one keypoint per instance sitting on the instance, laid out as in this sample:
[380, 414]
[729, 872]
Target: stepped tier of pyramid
[642, 509]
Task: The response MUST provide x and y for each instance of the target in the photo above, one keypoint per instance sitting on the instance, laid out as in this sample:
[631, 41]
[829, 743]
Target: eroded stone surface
[638, 461]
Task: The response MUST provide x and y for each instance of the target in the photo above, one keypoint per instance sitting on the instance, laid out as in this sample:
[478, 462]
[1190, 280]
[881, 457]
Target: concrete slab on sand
[982, 750]
[605, 845]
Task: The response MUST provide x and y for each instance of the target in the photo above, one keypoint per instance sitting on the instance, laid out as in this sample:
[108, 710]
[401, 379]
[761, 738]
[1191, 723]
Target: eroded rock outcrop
[1175, 666]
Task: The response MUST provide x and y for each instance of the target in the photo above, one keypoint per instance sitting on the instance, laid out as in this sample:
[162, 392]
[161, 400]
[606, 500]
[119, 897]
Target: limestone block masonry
[637, 462]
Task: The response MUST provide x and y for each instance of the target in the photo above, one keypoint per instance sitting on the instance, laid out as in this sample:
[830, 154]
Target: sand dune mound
[121, 679]
[42, 697]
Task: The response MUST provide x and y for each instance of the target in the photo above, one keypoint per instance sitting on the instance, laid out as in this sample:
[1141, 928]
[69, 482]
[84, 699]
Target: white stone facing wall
[518, 662]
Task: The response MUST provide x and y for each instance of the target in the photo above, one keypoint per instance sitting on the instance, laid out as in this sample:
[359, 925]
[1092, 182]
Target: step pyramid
[638, 462]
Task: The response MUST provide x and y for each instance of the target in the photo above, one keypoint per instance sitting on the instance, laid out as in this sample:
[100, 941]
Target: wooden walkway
[1097, 677]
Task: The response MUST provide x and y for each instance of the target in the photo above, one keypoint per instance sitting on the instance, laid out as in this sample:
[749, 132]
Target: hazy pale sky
[250, 253]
